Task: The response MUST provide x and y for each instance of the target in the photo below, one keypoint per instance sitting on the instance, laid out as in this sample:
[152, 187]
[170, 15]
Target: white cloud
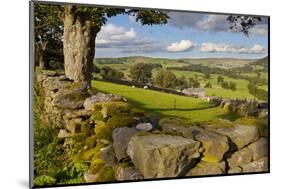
[111, 33]
[183, 45]
[228, 48]
[260, 30]
[125, 40]
[212, 23]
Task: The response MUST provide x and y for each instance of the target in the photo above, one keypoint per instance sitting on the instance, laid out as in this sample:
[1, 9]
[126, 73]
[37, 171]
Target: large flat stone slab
[215, 145]
[240, 135]
[159, 156]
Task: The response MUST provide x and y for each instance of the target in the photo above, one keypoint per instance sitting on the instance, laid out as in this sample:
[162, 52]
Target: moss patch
[114, 108]
[89, 154]
[97, 106]
[96, 165]
[74, 96]
[91, 142]
[211, 159]
[97, 116]
[75, 86]
[137, 112]
[86, 128]
[106, 174]
[119, 121]
[220, 123]
[174, 121]
[261, 124]
[103, 132]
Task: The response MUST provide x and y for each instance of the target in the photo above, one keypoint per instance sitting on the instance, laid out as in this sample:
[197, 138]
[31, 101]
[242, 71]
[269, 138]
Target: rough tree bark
[78, 46]
[40, 58]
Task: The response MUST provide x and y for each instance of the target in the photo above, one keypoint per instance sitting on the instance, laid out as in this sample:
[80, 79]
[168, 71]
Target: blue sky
[186, 35]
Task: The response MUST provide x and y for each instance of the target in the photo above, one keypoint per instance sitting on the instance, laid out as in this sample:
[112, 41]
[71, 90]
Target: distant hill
[166, 62]
[261, 62]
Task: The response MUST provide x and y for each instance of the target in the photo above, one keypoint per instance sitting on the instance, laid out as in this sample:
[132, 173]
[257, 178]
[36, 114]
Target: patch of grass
[192, 109]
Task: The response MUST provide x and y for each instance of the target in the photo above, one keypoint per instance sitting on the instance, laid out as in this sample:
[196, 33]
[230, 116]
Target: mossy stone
[137, 112]
[88, 155]
[103, 132]
[119, 121]
[97, 148]
[91, 142]
[220, 123]
[173, 121]
[106, 174]
[86, 128]
[114, 108]
[71, 100]
[210, 159]
[97, 106]
[97, 115]
[96, 165]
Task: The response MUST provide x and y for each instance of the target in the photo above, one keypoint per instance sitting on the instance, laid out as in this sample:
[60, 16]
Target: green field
[124, 64]
[193, 109]
[216, 90]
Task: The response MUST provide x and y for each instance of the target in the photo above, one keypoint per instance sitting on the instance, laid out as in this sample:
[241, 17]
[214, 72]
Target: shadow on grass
[159, 111]
[229, 116]
[181, 109]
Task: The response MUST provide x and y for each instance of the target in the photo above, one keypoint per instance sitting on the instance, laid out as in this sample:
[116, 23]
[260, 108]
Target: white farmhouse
[197, 92]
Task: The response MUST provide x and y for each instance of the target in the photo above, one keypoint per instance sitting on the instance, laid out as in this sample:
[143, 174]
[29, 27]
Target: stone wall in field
[121, 142]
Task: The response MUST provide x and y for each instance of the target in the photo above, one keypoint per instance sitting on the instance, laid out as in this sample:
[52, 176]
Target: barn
[197, 92]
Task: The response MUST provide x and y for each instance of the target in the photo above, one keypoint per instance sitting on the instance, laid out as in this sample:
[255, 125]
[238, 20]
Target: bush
[224, 85]
[44, 180]
[232, 86]
[165, 78]
[141, 73]
[111, 73]
[208, 85]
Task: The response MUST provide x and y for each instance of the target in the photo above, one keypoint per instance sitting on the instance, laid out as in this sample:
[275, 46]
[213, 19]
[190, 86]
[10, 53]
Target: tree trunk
[40, 58]
[78, 46]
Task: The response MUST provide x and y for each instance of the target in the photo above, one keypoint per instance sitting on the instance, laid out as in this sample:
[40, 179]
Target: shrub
[141, 73]
[165, 78]
[208, 85]
[44, 180]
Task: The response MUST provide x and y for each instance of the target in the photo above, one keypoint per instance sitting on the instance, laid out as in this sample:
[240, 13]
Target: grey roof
[193, 90]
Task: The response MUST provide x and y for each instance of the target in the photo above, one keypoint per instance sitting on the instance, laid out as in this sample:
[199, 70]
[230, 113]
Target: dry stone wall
[121, 143]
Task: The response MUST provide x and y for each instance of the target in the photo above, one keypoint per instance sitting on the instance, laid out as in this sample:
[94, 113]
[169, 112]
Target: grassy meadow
[192, 109]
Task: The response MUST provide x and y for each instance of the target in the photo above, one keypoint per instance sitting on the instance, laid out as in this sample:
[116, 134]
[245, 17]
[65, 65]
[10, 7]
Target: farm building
[198, 92]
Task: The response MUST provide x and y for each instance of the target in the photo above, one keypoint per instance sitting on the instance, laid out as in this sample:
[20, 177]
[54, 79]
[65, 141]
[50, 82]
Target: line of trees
[258, 93]
[232, 73]
[142, 73]
[111, 73]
